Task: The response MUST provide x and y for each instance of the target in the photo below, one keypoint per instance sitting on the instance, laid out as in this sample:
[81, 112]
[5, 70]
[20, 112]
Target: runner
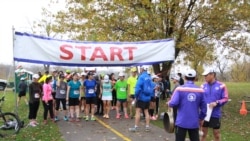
[82, 104]
[73, 97]
[99, 103]
[176, 83]
[35, 93]
[216, 95]
[131, 90]
[53, 84]
[47, 99]
[61, 97]
[90, 88]
[121, 89]
[153, 97]
[106, 93]
[114, 98]
[22, 91]
[142, 100]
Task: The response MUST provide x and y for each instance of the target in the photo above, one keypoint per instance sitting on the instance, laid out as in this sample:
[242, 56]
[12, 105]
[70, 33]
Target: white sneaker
[32, 124]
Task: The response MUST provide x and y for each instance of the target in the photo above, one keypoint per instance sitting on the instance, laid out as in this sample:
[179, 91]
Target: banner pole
[14, 66]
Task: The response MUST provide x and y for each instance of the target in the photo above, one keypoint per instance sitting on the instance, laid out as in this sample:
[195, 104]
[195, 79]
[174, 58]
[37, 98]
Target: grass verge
[49, 132]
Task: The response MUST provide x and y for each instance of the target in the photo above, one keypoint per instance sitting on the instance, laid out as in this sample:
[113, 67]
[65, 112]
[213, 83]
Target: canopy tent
[22, 73]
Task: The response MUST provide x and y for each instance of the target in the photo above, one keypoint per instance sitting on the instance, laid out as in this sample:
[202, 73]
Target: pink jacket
[47, 92]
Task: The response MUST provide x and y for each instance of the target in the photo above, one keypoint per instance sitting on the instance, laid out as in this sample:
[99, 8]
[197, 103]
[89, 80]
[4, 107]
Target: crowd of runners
[90, 94]
[84, 95]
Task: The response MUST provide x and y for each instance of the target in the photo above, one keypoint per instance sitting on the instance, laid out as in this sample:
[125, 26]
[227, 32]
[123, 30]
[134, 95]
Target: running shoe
[65, 118]
[118, 116]
[133, 129]
[126, 116]
[153, 118]
[77, 119]
[147, 129]
[92, 118]
[32, 124]
[87, 118]
[56, 118]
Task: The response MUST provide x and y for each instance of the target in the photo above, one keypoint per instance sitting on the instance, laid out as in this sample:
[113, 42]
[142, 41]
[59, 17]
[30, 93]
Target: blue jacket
[190, 103]
[139, 95]
[216, 91]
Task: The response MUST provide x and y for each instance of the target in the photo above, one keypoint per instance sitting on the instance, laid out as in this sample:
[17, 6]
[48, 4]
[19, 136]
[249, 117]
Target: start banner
[43, 50]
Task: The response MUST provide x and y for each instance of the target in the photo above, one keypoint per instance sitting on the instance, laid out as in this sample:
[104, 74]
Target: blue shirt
[90, 88]
[190, 103]
[74, 91]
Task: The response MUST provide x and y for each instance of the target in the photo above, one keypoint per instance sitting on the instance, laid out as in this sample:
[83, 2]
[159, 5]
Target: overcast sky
[18, 14]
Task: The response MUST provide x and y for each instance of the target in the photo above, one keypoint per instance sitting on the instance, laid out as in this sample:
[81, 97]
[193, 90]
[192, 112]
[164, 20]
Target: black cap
[91, 73]
[61, 76]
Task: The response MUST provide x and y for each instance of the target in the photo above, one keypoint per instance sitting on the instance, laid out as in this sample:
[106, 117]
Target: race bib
[76, 92]
[106, 90]
[37, 95]
[62, 92]
[122, 89]
[91, 91]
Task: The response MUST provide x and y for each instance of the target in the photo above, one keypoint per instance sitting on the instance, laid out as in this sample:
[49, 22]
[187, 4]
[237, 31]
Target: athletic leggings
[48, 108]
[114, 98]
[33, 109]
[58, 101]
[157, 100]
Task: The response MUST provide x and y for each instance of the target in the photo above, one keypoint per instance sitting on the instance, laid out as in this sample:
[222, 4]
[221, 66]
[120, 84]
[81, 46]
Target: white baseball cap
[207, 71]
[121, 74]
[36, 76]
[83, 73]
[176, 77]
[145, 67]
[106, 78]
[190, 73]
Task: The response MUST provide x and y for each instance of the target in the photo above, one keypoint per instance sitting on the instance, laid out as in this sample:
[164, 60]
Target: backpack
[147, 88]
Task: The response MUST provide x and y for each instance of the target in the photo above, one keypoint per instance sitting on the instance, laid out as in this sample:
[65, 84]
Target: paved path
[110, 130]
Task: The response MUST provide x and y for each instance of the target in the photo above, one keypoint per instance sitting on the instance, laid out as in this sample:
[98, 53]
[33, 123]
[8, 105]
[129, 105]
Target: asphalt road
[110, 130]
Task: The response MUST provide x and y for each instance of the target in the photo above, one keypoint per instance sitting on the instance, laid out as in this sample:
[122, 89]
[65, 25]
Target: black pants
[180, 134]
[33, 109]
[48, 108]
[157, 100]
[58, 101]
[114, 98]
[99, 105]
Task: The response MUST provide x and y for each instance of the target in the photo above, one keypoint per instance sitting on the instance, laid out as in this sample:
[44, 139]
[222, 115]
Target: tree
[44, 26]
[194, 24]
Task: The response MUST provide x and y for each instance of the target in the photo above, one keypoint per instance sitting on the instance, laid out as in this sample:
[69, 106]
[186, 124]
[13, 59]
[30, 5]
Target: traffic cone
[243, 110]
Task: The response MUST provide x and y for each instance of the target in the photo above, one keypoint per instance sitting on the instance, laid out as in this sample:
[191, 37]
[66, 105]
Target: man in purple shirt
[190, 103]
[216, 95]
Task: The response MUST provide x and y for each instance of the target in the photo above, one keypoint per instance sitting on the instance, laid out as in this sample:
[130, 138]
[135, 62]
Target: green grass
[49, 132]
[234, 126]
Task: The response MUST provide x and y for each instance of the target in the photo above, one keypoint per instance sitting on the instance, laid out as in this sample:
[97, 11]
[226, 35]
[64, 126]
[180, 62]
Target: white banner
[42, 50]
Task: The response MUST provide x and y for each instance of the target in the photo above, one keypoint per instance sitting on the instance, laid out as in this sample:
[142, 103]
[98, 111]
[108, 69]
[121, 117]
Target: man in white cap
[190, 103]
[216, 95]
